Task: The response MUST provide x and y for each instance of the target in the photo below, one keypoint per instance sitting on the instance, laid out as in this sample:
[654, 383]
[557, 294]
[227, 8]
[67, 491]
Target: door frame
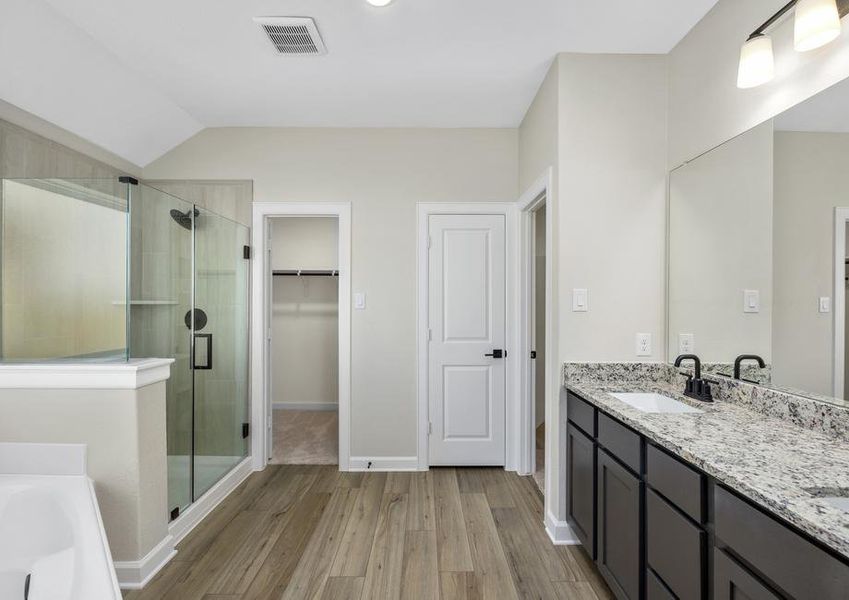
[260, 325]
[511, 384]
[841, 219]
[538, 194]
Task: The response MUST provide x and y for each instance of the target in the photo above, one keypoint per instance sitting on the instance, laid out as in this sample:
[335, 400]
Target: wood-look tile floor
[311, 532]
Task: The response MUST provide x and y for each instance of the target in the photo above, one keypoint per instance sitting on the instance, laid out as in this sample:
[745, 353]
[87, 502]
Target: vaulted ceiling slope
[139, 77]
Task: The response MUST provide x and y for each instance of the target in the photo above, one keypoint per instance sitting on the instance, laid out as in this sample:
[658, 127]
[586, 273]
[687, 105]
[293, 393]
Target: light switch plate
[825, 304]
[580, 300]
[643, 344]
[751, 301]
[686, 343]
[359, 300]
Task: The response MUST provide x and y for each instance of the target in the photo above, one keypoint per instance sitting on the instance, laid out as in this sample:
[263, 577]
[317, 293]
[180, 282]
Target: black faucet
[743, 357]
[696, 387]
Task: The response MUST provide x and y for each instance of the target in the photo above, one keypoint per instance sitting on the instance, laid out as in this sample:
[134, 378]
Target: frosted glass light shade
[378, 2]
[816, 23]
[757, 64]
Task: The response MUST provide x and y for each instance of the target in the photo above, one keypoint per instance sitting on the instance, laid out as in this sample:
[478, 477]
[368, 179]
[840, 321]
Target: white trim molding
[534, 197]
[424, 210]
[135, 574]
[129, 375]
[385, 463]
[559, 531]
[841, 218]
[261, 403]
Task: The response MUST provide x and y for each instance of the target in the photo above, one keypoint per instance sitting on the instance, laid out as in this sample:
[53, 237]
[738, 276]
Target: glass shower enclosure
[106, 270]
[188, 290]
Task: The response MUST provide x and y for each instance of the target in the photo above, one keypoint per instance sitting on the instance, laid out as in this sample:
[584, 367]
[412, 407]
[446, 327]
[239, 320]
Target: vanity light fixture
[816, 23]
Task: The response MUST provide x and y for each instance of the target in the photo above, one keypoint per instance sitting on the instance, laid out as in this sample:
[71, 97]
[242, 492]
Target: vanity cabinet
[660, 529]
[581, 501]
[619, 505]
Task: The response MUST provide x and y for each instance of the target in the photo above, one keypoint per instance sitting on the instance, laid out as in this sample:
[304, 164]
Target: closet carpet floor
[306, 437]
[291, 532]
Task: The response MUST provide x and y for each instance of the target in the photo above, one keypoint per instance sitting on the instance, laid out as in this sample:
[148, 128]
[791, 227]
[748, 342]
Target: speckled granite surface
[768, 459]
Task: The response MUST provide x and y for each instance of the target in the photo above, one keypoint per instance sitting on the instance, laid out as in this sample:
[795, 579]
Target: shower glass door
[189, 302]
[220, 365]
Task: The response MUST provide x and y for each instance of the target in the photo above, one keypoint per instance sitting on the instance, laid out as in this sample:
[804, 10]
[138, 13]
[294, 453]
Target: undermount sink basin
[654, 403]
[836, 497]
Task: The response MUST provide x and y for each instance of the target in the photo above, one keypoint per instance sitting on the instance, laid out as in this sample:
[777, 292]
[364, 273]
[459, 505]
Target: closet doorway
[304, 348]
[538, 217]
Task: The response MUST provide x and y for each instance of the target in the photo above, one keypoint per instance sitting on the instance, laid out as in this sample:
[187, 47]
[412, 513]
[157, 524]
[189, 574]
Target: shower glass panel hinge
[175, 513]
[246, 430]
[430, 428]
[128, 179]
[246, 252]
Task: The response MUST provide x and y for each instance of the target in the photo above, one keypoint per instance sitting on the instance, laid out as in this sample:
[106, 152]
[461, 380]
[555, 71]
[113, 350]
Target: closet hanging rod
[306, 273]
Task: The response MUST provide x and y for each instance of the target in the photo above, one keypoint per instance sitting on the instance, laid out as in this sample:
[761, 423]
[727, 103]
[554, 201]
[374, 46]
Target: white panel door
[467, 322]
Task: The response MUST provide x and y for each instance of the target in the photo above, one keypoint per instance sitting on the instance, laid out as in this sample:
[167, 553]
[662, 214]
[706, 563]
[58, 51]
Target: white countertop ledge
[131, 375]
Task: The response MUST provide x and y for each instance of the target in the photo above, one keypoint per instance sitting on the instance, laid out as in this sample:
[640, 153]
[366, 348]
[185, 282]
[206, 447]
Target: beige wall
[810, 182]
[612, 201]
[705, 106]
[383, 173]
[720, 243]
[125, 434]
[305, 313]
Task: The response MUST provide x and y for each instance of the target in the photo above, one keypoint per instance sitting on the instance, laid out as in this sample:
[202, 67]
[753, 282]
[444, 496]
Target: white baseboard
[305, 406]
[182, 525]
[560, 532]
[384, 463]
[134, 574]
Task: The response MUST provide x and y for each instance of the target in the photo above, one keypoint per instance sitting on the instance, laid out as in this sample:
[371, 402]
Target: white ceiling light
[378, 2]
[757, 64]
[817, 22]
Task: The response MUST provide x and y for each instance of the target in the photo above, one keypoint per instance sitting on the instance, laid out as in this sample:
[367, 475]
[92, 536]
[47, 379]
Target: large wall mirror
[758, 255]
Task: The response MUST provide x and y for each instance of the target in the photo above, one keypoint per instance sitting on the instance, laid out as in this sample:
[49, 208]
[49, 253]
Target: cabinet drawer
[682, 485]
[784, 557]
[655, 589]
[675, 548]
[620, 441]
[582, 414]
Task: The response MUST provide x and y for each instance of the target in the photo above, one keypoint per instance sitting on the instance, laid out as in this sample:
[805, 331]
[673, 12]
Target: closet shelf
[306, 273]
[145, 303]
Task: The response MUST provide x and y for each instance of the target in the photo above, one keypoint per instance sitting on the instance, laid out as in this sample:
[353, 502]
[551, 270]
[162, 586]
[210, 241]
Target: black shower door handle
[202, 350]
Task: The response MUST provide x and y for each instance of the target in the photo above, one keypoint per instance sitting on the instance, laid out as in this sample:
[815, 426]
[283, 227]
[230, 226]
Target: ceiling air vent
[292, 35]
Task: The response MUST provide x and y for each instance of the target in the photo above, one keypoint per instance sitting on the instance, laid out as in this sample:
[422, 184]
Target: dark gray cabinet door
[618, 551]
[731, 581]
[581, 481]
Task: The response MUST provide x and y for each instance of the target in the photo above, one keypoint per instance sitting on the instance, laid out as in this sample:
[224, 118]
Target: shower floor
[208, 470]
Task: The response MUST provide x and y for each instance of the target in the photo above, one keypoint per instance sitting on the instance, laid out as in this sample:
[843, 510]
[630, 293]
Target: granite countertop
[765, 459]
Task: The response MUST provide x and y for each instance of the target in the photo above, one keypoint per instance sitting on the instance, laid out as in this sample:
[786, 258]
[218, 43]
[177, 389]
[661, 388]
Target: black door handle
[497, 353]
[204, 353]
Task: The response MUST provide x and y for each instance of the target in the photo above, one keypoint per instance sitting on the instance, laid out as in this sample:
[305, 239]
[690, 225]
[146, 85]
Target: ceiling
[414, 63]
[825, 112]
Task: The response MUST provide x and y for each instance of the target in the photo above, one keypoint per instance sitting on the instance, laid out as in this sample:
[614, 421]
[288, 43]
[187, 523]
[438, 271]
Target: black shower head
[184, 219]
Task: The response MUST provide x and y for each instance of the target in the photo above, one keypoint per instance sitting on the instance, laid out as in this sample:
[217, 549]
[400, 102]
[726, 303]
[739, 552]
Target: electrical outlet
[643, 344]
[686, 343]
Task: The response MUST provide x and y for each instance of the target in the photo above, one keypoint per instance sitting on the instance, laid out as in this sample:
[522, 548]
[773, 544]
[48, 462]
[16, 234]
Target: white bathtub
[51, 531]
